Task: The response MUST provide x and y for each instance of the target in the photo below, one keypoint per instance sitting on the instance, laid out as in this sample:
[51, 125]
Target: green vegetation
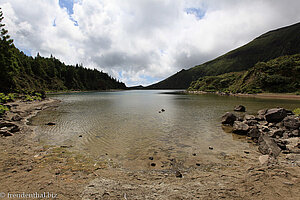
[277, 75]
[3, 109]
[281, 42]
[297, 111]
[7, 98]
[24, 74]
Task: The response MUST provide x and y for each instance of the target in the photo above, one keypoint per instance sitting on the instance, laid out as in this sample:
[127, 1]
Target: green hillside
[276, 43]
[20, 73]
[278, 75]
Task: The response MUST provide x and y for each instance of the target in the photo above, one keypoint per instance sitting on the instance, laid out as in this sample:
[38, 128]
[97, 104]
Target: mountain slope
[275, 76]
[273, 44]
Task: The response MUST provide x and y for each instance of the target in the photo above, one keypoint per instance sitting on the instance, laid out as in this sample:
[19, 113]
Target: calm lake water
[126, 126]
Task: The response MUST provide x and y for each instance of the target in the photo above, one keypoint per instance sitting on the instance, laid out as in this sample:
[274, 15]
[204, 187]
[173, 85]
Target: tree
[8, 63]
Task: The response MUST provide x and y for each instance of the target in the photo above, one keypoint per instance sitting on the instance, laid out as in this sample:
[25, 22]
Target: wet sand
[30, 166]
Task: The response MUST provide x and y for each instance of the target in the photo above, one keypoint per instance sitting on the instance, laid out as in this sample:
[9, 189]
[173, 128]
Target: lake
[126, 127]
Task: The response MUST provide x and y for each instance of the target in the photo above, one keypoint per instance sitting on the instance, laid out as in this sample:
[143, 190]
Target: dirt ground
[28, 166]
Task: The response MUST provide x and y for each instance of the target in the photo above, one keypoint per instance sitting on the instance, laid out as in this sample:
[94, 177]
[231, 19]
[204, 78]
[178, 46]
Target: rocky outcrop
[240, 128]
[275, 114]
[240, 108]
[274, 130]
[268, 146]
[228, 118]
[7, 128]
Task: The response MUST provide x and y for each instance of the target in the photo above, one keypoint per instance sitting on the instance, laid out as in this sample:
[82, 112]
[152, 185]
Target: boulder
[293, 144]
[249, 117]
[228, 118]
[251, 122]
[291, 122]
[240, 128]
[268, 146]
[275, 114]
[240, 108]
[261, 114]
[276, 132]
[254, 132]
[264, 159]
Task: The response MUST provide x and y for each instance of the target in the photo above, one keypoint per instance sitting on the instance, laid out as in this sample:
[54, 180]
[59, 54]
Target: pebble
[150, 158]
[178, 174]
[153, 164]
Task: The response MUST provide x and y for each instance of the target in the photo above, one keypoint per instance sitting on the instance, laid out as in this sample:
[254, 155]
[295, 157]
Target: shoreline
[29, 166]
[259, 95]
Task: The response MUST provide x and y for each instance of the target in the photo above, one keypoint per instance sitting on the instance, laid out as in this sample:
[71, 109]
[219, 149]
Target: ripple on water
[128, 127]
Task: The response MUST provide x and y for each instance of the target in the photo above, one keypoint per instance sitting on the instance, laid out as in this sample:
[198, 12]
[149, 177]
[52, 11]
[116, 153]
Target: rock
[246, 152]
[228, 118]
[80, 136]
[254, 133]
[291, 122]
[16, 118]
[249, 117]
[277, 132]
[5, 133]
[240, 119]
[150, 158]
[153, 164]
[163, 110]
[194, 154]
[268, 146]
[295, 133]
[261, 114]
[198, 164]
[265, 129]
[293, 144]
[178, 174]
[251, 122]
[240, 108]
[14, 129]
[210, 147]
[6, 124]
[264, 159]
[51, 123]
[275, 115]
[240, 128]
[263, 123]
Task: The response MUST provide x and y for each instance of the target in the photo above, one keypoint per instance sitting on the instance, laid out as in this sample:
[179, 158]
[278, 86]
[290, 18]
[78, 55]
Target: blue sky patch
[68, 4]
[199, 13]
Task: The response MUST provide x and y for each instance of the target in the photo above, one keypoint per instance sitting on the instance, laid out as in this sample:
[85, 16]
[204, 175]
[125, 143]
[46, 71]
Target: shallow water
[126, 126]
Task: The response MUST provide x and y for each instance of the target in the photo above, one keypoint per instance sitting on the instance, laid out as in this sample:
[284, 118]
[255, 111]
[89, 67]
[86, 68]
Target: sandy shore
[29, 166]
[260, 95]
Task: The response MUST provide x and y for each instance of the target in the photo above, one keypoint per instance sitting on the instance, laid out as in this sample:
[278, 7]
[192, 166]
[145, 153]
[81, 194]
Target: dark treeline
[21, 73]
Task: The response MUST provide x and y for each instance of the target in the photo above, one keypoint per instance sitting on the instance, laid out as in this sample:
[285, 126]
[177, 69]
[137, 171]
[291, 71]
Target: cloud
[141, 41]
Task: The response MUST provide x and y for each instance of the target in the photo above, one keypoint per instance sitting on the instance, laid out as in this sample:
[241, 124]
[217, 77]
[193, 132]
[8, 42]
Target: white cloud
[141, 41]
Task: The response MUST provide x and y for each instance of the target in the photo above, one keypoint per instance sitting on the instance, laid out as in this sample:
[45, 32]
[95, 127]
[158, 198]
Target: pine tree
[7, 59]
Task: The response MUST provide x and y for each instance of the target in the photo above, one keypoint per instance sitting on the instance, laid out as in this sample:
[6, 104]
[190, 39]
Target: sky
[141, 41]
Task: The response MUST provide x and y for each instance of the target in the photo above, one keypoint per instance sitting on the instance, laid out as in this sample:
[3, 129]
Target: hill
[273, 44]
[21, 73]
[278, 75]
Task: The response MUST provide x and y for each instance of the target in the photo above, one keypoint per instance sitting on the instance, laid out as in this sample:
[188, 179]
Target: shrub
[3, 109]
[297, 111]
